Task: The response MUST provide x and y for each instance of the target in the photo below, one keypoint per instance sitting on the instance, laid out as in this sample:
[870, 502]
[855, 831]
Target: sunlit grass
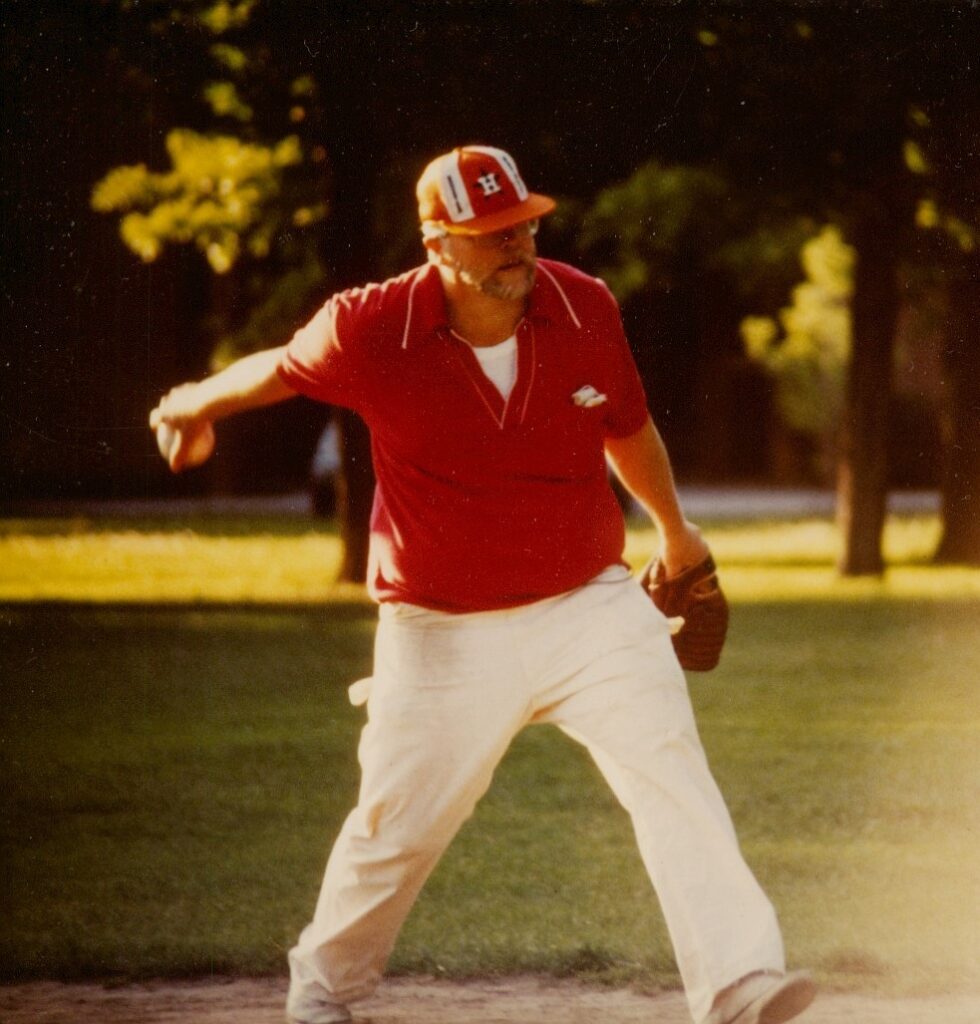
[292, 561]
[795, 559]
[813, 541]
[193, 562]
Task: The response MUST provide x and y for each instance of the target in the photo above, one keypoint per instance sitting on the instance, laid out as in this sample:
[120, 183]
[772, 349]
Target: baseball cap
[477, 189]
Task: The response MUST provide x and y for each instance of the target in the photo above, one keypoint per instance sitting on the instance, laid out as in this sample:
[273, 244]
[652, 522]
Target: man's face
[500, 264]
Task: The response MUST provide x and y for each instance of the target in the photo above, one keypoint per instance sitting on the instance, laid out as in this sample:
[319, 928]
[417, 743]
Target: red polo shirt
[481, 503]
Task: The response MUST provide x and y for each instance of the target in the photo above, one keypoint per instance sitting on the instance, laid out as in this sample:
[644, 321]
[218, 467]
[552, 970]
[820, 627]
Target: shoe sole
[792, 997]
[333, 1020]
[344, 1018]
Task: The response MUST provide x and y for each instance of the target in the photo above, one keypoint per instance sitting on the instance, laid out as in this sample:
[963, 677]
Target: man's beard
[498, 289]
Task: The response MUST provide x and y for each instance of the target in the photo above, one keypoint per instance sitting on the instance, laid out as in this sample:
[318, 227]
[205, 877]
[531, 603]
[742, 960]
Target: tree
[810, 114]
[696, 253]
[250, 200]
[949, 216]
[220, 194]
[862, 487]
[593, 92]
[387, 91]
[808, 357]
[960, 542]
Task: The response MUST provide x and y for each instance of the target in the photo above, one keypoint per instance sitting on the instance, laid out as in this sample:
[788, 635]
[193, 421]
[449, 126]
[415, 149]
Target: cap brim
[530, 209]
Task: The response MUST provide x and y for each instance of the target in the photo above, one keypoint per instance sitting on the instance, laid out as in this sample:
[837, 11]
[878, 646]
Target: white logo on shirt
[588, 398]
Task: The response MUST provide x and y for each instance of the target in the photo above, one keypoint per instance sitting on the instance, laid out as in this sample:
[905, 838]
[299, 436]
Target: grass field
[173, 772]
[274, 561]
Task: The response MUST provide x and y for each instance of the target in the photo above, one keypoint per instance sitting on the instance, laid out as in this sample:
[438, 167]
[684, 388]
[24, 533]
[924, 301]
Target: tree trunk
[715, 313]
[960, 541]
[355, 494]
[862, 487]
[350, 253]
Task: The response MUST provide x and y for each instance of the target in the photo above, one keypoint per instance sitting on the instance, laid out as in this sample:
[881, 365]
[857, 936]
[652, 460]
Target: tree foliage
[644, 231]
[221, 194]
[806, 349]
[714, 141]
[849, 118]
[244, 187]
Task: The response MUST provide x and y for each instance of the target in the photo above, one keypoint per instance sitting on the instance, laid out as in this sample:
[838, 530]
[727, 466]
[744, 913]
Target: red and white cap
[477, 189]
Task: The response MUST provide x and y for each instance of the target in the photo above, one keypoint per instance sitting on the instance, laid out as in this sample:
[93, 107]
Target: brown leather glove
[696, 596]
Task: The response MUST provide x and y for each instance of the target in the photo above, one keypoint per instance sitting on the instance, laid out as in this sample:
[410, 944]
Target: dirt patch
[426, 1001]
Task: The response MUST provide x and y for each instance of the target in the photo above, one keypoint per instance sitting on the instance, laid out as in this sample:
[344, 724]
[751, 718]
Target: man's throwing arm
[190, 409]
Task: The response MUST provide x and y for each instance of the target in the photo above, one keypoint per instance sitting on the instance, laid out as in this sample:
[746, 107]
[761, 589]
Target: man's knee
[412, 829]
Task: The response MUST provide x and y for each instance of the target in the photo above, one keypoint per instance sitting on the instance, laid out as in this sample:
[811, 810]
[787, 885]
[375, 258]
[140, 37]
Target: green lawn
[173, 774]
[274, 561]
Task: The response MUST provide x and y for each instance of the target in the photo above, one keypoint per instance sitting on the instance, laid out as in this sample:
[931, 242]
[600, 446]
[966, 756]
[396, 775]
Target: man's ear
[433, 248]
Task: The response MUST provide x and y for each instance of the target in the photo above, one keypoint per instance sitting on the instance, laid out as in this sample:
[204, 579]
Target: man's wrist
[674, 527]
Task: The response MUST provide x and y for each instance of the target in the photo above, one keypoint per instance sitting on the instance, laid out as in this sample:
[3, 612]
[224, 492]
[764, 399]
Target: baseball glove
[695, 596]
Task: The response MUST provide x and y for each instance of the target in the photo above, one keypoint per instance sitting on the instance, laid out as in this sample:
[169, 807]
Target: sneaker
[763, 998]
[316, 1011]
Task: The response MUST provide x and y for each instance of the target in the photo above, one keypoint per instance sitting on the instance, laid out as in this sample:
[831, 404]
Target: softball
[202, 444]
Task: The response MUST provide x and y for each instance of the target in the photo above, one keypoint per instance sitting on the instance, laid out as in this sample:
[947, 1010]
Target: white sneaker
[311, 1010]
[763, 998]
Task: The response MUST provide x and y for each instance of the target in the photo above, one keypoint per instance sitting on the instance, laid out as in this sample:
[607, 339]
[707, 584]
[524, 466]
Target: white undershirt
[499, 363]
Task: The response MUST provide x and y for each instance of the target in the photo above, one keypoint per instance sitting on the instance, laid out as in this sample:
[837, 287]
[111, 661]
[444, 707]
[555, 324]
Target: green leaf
[218, 193]
[121, 188]
[231, 57]
[224, 101]
[808, 359]
[225, 15]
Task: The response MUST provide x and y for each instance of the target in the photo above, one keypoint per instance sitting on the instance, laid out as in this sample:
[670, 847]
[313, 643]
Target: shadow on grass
[147, 613]
[204, 525]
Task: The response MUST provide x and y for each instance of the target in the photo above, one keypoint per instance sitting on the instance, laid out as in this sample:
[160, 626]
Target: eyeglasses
[515, 233]
[490, 239]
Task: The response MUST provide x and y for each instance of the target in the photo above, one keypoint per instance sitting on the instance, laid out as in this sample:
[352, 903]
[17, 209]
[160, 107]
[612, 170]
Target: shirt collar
[426, 312]
[549, 301]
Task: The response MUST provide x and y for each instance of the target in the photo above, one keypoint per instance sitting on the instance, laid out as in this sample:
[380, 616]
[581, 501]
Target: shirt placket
[509, 412]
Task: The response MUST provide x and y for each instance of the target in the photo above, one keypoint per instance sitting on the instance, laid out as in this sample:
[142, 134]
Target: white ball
[166, 439]
[202, 444]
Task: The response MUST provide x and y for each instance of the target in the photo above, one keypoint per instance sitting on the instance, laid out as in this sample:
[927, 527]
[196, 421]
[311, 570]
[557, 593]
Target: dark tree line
[783, 119]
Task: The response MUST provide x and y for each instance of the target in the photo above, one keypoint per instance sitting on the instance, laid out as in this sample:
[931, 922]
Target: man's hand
[190, 409]
[693, 602]
[180, 407]
[682, 548]
[185, 436]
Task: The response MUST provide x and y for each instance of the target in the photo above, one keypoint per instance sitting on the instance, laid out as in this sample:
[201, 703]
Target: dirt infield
[425, 1001]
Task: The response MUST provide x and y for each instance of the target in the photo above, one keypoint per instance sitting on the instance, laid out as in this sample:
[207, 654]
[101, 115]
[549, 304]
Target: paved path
[699, 503]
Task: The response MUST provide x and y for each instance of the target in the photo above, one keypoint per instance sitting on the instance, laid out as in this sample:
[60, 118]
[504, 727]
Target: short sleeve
[627, 410]
[321, 360]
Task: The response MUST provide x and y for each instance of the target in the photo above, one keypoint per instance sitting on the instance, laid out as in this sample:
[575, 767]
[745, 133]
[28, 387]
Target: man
[495, 385]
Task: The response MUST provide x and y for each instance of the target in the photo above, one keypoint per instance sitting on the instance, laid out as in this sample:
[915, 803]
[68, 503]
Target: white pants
[448, 695]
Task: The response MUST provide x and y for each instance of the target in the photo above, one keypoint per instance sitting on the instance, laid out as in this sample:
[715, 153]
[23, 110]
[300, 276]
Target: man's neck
[483, 320]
